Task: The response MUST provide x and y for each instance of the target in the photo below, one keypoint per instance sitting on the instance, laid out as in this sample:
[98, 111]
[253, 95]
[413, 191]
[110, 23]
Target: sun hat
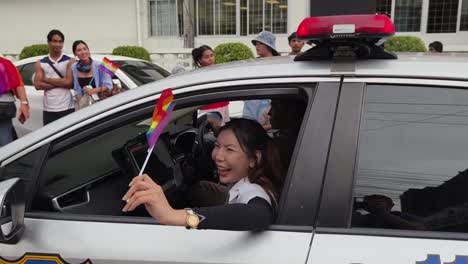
[267, 38]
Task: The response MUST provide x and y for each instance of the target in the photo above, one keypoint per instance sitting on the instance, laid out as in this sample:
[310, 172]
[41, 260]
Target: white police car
[377, 170]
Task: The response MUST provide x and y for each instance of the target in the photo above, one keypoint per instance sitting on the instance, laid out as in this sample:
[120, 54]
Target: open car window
[88, 172]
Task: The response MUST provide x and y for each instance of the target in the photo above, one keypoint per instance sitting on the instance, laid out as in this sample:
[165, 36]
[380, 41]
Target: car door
[106, 236]
[395, 186]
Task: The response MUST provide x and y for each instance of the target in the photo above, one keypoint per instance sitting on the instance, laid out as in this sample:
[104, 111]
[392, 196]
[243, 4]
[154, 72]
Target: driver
[247, 161]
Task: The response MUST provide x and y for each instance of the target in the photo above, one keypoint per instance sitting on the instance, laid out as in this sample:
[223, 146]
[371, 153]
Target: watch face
[192, 220]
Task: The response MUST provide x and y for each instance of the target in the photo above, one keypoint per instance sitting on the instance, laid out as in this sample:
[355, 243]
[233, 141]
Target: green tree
[405, 44]
[228, 52]
[34, 50]
[132, 51]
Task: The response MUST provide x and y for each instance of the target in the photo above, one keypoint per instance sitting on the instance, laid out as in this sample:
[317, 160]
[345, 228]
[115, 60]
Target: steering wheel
[204, 144]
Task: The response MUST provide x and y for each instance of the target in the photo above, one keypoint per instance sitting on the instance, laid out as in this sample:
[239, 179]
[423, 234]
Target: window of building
[464, 16]
[276, 14]
[408, 15]
[163, 17]
[218, 17]
[412, 170]
[259, 15]
[384, 7]
[205, 17]
[442, 16]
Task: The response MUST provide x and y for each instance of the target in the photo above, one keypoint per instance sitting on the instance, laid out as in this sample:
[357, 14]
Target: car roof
[408, 65]
[419, 65]
[95, 56]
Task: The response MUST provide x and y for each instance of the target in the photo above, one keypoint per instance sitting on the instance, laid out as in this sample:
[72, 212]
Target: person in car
[286, 118]
[203, 56]
[258, 109]
[247, 161]
[88, 78]
[381, 215]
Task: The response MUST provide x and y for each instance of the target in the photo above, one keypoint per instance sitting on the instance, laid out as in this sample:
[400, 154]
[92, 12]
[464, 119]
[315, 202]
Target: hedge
[405, 44]
[34, 50]
[228, 52]
[132, 51]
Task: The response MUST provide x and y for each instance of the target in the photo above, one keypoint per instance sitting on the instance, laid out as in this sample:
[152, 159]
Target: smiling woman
[90, 83]
[246, 161]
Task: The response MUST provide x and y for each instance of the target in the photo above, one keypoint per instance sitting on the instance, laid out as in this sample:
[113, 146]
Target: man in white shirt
[54, 77]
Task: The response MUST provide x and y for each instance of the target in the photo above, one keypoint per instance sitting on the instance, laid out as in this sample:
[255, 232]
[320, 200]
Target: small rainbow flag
[109, 66]
[161, 115]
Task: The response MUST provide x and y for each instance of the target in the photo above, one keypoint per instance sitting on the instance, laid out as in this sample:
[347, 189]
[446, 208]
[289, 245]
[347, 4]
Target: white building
[158, 25]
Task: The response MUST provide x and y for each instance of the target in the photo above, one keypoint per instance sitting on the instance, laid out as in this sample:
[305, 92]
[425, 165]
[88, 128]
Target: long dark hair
[197, 53]
[252, 137]
[78, 42]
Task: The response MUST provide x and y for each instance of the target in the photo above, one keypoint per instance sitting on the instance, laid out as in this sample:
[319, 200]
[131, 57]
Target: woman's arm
[257, 214]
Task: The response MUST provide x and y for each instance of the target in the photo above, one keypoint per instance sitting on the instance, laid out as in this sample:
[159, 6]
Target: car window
[27, 72]
[412, 168]
[142, 72]
[88, 174]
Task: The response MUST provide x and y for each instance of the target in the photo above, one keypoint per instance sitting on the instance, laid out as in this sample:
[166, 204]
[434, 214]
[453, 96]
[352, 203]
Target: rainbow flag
[161, 115]
[109, 66]
[4, 87]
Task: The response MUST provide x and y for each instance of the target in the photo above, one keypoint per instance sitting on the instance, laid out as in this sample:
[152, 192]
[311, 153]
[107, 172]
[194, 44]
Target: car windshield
[142, 72]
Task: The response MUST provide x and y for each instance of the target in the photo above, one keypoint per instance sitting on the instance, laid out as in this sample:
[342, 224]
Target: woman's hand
[87, 90]
[143, 190]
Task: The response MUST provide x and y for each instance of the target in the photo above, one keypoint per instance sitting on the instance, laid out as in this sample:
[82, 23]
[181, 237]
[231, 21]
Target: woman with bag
[11, 85]
[90, 82]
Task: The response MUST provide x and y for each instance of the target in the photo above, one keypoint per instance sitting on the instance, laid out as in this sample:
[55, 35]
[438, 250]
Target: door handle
[71, 199]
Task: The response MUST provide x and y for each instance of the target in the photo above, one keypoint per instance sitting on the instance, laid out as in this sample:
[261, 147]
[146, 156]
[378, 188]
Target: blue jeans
[6, 132]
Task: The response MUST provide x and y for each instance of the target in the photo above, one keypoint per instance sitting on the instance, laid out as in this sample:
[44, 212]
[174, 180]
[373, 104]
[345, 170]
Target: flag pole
[146, 160]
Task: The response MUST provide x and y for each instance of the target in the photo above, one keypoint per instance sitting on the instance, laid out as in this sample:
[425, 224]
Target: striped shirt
[56, 99]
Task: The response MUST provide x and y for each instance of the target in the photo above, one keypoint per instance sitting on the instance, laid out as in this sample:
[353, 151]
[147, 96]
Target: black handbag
[7, 110]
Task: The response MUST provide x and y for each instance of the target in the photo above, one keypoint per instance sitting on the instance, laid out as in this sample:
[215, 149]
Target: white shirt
[7, 97]
[244, 191]
[57, 99]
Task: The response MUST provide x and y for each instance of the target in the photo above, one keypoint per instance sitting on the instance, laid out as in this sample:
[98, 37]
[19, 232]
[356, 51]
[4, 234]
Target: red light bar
[345, 26]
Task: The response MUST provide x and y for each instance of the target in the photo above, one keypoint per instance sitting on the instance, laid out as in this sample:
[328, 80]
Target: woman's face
[82, 52]
[262, 50]
[232, 162]
[207, 58]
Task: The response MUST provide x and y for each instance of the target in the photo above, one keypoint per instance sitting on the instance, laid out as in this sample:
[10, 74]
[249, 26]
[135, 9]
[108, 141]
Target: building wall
[297, 11]
[98, 23]
[105, 24]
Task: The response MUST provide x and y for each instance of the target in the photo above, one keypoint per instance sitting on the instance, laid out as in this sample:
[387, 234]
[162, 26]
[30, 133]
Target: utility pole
[342, 7]
[189, 23]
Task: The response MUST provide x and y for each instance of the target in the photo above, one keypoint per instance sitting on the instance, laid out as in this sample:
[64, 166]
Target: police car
[377, 170]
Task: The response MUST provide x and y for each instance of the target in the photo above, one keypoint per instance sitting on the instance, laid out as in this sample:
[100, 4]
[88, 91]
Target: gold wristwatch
[192, 220]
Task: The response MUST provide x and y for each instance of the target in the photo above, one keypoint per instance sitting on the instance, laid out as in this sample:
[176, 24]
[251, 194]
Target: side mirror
[12, 208]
